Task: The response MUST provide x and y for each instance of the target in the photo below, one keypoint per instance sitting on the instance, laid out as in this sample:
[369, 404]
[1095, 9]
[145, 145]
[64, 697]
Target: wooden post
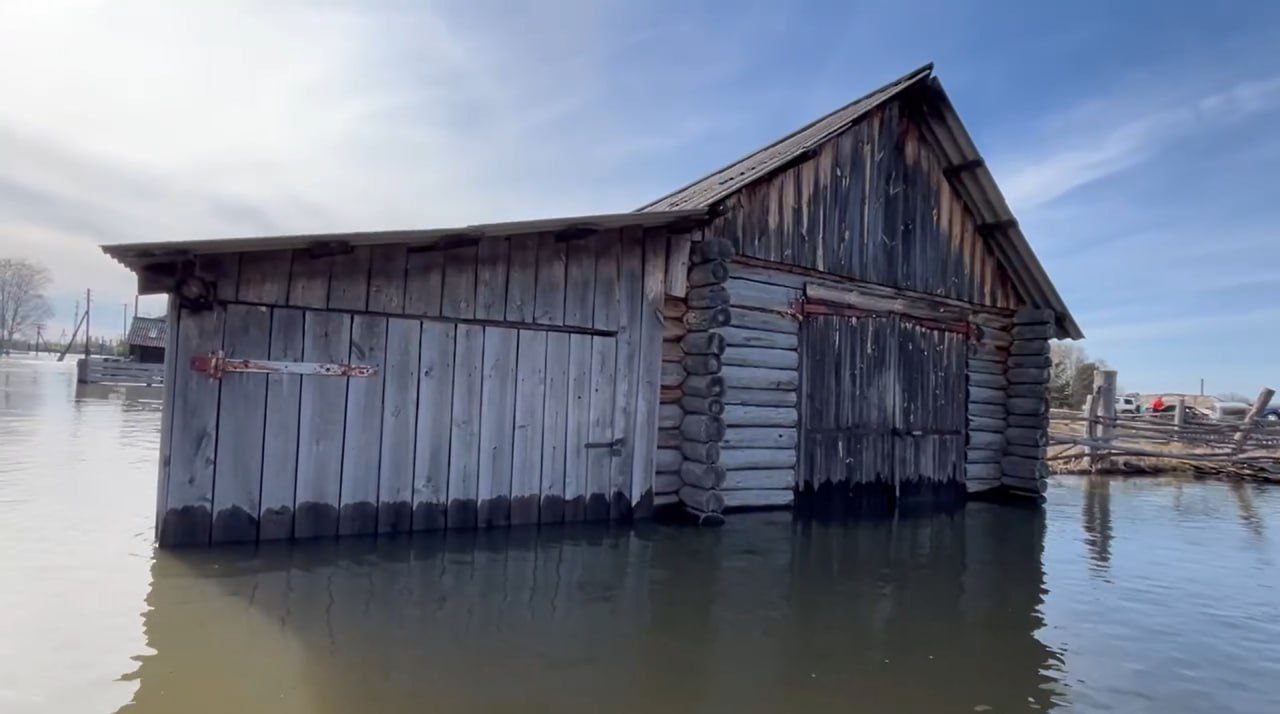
[1180, 412]
[1259, 404]
[1104, 403]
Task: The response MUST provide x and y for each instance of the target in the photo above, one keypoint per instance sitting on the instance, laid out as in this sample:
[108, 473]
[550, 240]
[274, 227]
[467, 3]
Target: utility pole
[88, 298]
[124, 332]
[1202, 386]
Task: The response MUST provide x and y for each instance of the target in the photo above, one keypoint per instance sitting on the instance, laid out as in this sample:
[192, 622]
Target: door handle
[614, 447]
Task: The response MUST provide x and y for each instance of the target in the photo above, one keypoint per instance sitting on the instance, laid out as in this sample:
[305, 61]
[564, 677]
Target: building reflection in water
[765, 614]
[1096, 519]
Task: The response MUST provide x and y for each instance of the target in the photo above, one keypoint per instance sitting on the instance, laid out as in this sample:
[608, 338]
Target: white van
[1126, 405]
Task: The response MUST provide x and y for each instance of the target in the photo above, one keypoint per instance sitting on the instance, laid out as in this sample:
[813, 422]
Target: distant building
[146, 339]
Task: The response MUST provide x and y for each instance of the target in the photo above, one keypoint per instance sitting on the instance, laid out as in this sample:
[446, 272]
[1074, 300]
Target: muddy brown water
[1120, 595]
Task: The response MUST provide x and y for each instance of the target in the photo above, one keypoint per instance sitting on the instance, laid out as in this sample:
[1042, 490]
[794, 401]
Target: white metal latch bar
[215, 364]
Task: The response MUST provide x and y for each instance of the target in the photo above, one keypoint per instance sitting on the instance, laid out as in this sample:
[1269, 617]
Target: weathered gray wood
[464, 433]
[983, 456]
[431, 464]
[703, 385]
[707, 296]
[701, 364]
[1028, 391]
[703, 343]
[309, 279]
[362, 434]
[750, 319]
[986, 440]
[707, 319]
[710, 273]
[497, 417]
[527, 456]
[746, 337]
[669, 438]
[763, 296]
[982, 395]
[1034, 348]
[1034, 421]
[761, 357]
[744, 415]
[577, 427]
[760, 378]
[740, 437]
[1027, 406]
[1032, 332]
[1023, 375]
[977, 423]
[757, 458]
[604, 357]
[702, 499]
[264, 277]
[630, 298]
[1030, 452]
[1032, 316]
[987, 352]
[671, 374]
[761, 397]
[222, 271]
[1035, 487]
[458, 298]
[280, 443]
[555, 419]
[702, 405]
[424, 282]
[665, 500]
[677, 277]
[669, 416]
[758, 498]
[237, 478]
[668, 460]
[491, 277]
[702, 427]
[399, 417]
[549, 289]
[672, 330]
[522, 278]
[388, 266]
[711, 248]
[700, 451]
[990, 411]
[327, 338]
[739, 479]
[349, 280]
[977, 366]
[983, 471]
[1250, 421]
[667, 482]
[702, 475]
[674, 308]
[977, 484]
[1026, 437]
[988, 381]
[1039, 361]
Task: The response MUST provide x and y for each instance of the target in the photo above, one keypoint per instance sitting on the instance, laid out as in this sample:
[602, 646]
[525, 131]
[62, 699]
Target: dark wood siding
[872, 203]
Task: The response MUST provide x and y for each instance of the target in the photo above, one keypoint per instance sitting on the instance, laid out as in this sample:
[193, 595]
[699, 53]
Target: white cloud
[1095, 150]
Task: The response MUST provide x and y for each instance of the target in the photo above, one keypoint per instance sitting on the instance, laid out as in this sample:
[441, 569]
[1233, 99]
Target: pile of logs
[988, 417]
[1024, 468]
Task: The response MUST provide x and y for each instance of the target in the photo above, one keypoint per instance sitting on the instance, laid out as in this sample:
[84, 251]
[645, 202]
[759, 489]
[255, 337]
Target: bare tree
[1071, 376]
[22, 301]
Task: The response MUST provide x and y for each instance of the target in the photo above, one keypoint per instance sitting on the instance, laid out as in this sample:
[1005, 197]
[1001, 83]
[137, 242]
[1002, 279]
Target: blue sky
[1133, 140]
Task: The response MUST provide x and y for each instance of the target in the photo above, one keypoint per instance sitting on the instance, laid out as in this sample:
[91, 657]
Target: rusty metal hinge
[215, 364]
[614, 447]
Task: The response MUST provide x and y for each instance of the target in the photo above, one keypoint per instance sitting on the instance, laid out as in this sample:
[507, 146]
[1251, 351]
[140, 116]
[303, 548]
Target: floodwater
[1158, 595]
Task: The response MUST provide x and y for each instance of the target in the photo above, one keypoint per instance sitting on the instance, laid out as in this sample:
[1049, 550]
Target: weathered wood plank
[497, 415]
[760, 378]
[758, 498]
[749, 319]
[327, 338]
[555, 419]
[241, 416]
[431, 462]
[763, 296]
[491, 277]
[747, 437]
[760, 397]
[677, 278]
[399, 418]
[264, 277]
[604, 356]
[743, 415]
[739, 479]
[458, 298]
[424, 282]
[549, 288]
[644, 435]
[362, 434]
[527, 456]
[747, 337]
[222, 270]
[280, 445]
[464, 436]
[733, 459]
[579, 299]
[761, 357]
[627, 369]
[349, 280]
[388, 266]
[309, 279]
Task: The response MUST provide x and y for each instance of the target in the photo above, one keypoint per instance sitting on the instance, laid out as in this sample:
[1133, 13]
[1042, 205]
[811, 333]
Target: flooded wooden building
[849, 313]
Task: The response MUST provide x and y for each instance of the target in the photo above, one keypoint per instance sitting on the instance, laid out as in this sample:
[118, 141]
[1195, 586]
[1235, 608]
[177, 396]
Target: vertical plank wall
[498, 363]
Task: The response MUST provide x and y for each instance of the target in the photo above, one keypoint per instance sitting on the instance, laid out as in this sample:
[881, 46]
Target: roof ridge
[889, 89]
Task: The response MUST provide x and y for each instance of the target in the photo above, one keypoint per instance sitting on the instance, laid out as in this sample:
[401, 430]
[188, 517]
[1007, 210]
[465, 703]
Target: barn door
[883, 404]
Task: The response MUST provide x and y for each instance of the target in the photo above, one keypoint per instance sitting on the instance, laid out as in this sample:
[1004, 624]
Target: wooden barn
[849, 314]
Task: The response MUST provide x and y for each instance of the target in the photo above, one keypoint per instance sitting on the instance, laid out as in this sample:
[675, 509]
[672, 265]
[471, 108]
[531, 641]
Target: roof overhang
[136, 255]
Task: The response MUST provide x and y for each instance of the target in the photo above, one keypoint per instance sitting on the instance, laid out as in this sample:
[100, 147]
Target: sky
[1134, 141]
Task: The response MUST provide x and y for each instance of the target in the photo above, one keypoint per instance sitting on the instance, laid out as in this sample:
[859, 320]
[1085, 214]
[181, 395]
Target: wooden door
[882, 405]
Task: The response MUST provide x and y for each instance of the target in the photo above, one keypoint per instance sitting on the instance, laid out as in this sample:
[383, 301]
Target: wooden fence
[96, 370]
[1100, 440]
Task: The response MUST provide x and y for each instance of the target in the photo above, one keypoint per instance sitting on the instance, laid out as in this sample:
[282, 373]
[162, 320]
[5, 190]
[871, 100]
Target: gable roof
[963, 164]
[148, 331]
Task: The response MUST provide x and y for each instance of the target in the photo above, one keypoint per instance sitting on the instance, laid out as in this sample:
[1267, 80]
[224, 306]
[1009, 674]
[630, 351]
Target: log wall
[518, 380]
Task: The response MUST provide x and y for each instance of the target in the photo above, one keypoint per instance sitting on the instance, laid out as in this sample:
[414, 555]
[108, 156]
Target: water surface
[1119, 595]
